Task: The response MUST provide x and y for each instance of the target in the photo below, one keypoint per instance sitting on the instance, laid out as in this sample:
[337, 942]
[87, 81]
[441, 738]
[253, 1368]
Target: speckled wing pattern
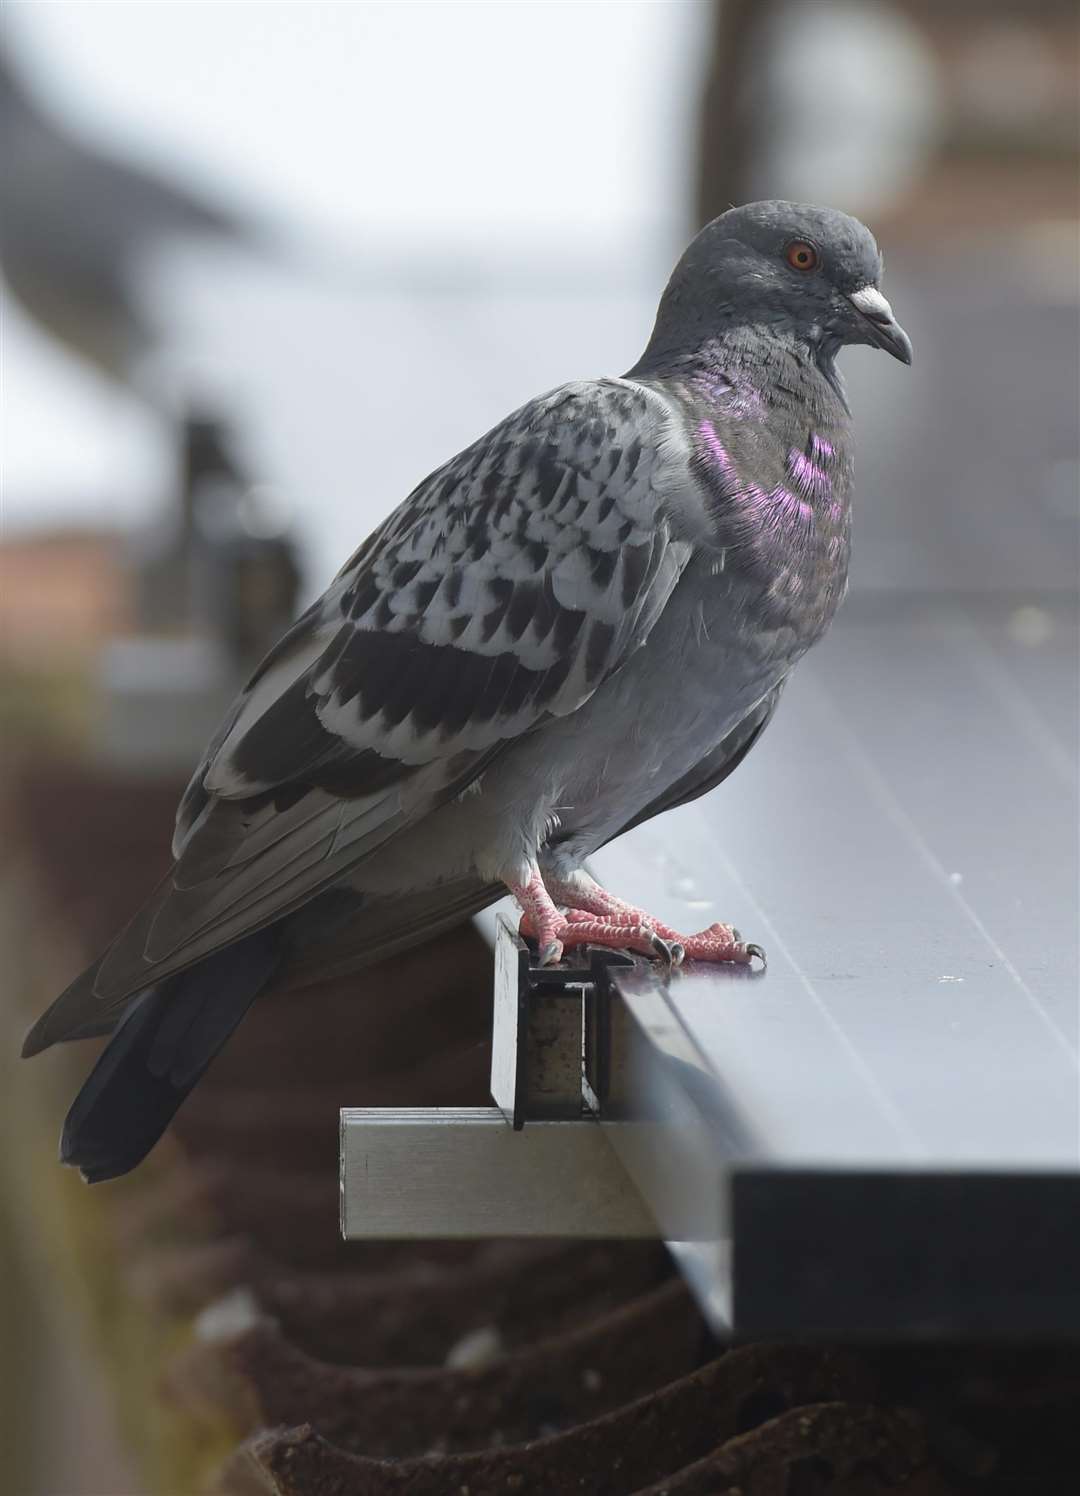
[502, 592]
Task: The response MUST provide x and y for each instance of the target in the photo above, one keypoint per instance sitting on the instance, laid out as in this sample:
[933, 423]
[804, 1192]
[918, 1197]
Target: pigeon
[582, 620]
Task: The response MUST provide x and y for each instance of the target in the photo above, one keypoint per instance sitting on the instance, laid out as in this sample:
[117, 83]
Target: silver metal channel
[465, 1172]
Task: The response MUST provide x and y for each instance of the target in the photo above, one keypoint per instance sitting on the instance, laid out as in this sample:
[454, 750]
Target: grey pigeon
[75, 226]
[585, 618]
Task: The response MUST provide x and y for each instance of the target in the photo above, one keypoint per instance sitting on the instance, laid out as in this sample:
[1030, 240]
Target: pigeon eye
[801, 256]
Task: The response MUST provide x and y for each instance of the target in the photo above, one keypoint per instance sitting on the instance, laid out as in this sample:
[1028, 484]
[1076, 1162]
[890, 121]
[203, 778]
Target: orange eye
[801, 256]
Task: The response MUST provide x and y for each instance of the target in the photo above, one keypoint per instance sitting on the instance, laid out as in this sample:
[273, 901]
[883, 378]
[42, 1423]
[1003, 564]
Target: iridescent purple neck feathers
[768, 460]
[806, 487]
[771, 450]
[810, 469]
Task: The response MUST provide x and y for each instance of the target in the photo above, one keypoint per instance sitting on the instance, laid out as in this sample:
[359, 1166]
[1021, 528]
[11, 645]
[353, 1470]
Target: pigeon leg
[554, 931]
[585, 901]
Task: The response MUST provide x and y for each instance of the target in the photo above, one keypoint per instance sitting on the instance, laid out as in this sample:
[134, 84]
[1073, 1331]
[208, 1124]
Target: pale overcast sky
[448, 117]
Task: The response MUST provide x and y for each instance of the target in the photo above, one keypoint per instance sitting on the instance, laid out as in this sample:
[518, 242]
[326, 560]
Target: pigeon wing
[501, 593]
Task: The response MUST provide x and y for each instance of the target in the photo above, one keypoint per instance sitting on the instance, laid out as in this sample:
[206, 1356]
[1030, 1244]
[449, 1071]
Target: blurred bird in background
[220, 563]
[77, 232]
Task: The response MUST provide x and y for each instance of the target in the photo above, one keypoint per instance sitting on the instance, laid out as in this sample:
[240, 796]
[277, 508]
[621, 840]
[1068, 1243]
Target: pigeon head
[798, 271]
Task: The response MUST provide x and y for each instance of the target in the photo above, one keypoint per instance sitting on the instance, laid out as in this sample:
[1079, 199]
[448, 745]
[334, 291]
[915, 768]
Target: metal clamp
[554, 1055]
[557, 1064]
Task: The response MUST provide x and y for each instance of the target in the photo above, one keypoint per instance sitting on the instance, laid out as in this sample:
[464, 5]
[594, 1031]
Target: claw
[551, 955]
[755, 950]
[665, 949]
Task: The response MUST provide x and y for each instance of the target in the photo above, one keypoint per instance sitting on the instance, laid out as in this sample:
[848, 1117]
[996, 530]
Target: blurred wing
[504, 590]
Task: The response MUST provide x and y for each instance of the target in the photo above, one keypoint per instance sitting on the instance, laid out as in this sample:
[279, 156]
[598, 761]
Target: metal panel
[908, 856]
[904, 844]
[465, 1172]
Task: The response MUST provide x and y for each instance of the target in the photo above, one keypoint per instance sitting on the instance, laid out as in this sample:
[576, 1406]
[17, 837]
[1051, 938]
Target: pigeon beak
[883, 331]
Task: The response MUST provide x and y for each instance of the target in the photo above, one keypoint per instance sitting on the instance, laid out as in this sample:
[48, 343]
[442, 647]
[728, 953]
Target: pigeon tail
[161, 1048]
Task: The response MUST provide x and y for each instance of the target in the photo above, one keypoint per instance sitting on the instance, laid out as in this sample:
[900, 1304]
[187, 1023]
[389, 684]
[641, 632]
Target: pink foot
[595, 917]
[717, 943]
[584, 898]
[576, 928]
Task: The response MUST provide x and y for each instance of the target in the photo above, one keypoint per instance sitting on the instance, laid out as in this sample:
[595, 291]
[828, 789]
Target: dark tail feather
[162, 1046]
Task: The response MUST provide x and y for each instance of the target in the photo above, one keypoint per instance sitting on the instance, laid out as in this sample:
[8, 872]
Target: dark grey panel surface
[919, 1255]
